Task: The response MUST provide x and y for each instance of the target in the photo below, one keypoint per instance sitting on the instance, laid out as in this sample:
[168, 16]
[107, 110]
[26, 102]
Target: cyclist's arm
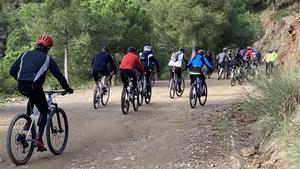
[15, 68]
[206, 62]
[57, 74]
[140, 67]
[154, 60]
[113, 65]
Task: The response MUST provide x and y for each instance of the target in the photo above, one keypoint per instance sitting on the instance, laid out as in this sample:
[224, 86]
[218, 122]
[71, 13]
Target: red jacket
[131, 61]
[249, 54]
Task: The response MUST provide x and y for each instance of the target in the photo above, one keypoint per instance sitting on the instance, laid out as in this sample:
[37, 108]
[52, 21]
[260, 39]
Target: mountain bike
[20, 141]
[235, 75]
[198, 91]
[174, 85]
[145, 94]
[129, 96]
[99, 94]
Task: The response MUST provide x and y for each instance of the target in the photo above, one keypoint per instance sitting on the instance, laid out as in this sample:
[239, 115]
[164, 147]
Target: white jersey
[176, 59]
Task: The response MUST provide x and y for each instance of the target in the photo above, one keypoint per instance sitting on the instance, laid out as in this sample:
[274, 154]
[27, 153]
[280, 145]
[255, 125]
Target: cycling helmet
[105, 48]
[270, 50]
[181, 49]
[200, 51]
[224, 49]
[45, 40]
[131, 49]
[147, 48]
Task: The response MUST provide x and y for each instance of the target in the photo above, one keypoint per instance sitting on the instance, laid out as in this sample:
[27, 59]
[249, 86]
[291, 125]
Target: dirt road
[165, 134]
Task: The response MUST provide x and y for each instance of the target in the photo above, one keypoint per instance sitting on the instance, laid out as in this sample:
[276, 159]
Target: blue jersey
[196, 63]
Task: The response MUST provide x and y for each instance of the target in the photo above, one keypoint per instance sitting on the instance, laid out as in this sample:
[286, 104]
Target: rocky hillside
[282, 32]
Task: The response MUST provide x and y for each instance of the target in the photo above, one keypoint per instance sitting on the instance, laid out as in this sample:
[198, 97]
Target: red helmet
[45, 40]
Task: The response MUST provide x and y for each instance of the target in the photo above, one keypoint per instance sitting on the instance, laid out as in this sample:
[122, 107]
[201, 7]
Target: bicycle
[129, 96]
[145, 94]
[174, 87]
[57, 131]
[236, 75]
[99, 94]
[198, 91]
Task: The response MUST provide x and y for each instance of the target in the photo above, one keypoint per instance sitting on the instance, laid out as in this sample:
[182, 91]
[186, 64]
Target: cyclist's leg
[178, 72]
[147, 75]
[124, 77]
[171, 76]
[193, 78]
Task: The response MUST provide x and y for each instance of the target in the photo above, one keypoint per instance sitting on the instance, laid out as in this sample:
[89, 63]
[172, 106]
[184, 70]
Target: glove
[70, 90]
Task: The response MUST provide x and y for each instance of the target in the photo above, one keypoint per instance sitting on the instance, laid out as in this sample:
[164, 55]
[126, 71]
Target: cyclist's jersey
[196, 63]
[148, 59]
[32, 67]
[131, 61]
[221, 57]
[249, 55]
[273, 57]
[176, 59]
[101, 61]
[267, 58]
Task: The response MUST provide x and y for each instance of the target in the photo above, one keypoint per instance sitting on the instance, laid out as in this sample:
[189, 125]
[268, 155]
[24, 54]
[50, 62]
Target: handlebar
[56, 92]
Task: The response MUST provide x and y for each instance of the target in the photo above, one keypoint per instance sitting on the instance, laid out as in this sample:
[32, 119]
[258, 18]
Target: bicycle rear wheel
[148, 95]
[19, 148]
[135, 100]
[172, 86]
[182, 87]
[125, 101]
[193, 96]
[57, 131]
[96, 97]
[141, 90]
[203, 95]
[105, 96]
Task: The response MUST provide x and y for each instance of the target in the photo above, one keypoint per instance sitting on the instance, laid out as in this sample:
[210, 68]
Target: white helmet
[147, 48]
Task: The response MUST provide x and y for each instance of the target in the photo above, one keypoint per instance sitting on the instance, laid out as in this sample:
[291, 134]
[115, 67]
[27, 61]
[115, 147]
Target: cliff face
[282, 35]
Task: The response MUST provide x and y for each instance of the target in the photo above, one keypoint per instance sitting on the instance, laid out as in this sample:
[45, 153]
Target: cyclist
[221, 60]
[129, 62]
[209, 57]
[268, 62]
[100, 64]
[30, 70]
[249, 57]
[175, 64]
[195, 66]
[148, 59]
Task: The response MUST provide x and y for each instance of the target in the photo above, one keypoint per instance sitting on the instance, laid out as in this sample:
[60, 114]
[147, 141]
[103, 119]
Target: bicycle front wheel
[96, 97]
[57, 131]
[141, 90]
[148, 95]
[172, 86]
[203, 95]
[193, 96]
[125, 101]
[105, 96]
[19, 142]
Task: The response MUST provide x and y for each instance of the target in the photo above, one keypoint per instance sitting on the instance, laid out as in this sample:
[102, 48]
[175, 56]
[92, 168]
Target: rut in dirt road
[164, 134]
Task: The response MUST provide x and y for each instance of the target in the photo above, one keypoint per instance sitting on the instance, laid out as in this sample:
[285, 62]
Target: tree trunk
[66, 66]
[193, 48]
[273, 5]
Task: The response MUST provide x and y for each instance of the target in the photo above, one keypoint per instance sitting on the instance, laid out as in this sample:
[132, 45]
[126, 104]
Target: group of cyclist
[30, 69]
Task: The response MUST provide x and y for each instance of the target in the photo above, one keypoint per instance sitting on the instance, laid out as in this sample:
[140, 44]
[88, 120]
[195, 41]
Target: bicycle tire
[141, 90]
[203, 95]
[104, 100]
[51, 130]
[182, 88]
[124, 101]
[10, 136]
[148, 96]
[96, 100]
[192, 96]
[135, 100]
[172, 88]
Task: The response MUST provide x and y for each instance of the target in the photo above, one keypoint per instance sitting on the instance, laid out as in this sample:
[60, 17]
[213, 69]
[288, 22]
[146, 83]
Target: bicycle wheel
[96, 98]
[135, 100]
[105, 96]
[172, 86]
[232, 79]
[141, 91]
[203, 95]
[148, 95]
[193, 96]
[19, 148]
[57, 131]
[125, 101]
[152, 81]
[182, 87]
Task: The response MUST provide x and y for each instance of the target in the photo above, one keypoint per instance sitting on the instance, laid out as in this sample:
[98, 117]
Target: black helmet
[105, 48]
[181, 49]
[131, 49]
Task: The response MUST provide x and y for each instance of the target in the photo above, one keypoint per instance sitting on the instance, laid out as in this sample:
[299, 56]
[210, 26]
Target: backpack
[175, 56]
